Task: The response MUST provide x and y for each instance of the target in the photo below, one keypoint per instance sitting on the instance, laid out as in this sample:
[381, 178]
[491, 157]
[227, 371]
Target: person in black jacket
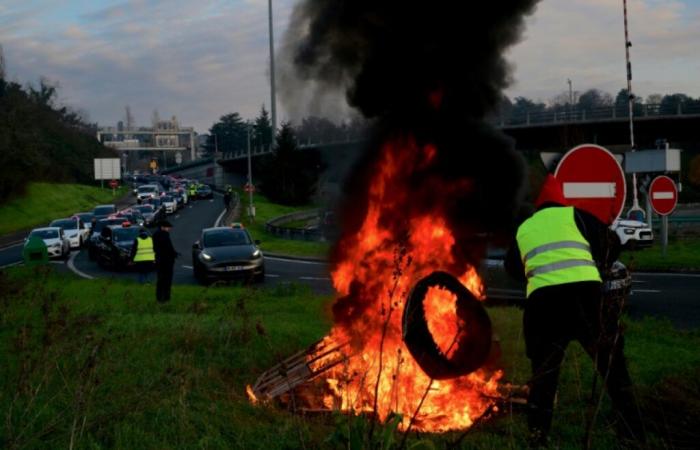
[165, 260]
[557, 312]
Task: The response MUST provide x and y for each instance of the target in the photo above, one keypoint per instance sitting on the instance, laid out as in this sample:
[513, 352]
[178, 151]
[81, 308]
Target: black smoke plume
[431, 70]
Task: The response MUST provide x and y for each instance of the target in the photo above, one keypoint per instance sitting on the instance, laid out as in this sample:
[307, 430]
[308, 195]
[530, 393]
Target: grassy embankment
[683, 255]
[266, 210]
[44, 202]
[98, 364]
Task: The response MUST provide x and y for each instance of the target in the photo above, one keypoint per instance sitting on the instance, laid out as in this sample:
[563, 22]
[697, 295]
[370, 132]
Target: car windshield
[44, 234]
[124, 234]
[223, 238]
[85, 217]
[144, 209]
[166, 198]
[66, 224]
[145, 189]
[103, 210]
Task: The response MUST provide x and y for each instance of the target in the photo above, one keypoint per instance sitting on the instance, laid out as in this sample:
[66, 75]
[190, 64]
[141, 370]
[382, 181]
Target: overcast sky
[201, 59]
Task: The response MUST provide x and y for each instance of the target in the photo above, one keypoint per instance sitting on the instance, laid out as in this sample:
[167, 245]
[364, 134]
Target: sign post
[593, 181]
[664, 198]
[114, 184]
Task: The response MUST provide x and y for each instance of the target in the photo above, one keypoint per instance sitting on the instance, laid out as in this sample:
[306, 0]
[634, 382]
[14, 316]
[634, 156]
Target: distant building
[201, 143]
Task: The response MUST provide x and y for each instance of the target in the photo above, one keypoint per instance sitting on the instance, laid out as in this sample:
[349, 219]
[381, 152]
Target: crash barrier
[276, 226]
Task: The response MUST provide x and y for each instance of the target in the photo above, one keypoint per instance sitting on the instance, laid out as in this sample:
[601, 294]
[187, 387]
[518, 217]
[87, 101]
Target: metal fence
[276, 226]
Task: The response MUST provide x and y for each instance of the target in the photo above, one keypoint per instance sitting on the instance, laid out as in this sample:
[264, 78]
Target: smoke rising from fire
[433, 71]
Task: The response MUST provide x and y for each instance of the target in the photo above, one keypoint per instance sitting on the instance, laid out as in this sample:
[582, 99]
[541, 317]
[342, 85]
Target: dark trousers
[165, 281]
[553, 317]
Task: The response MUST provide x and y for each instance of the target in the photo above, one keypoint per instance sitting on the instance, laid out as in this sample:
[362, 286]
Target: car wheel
[260, 278]
[198, 275]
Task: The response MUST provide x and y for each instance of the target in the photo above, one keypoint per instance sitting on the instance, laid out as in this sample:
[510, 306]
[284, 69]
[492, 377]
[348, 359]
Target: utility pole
[571, 92]
[273, 107]
[630, 96]
[251, 208]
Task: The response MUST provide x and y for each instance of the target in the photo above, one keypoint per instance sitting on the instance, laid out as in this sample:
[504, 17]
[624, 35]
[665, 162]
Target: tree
[622, 104]
[594, 98]
[262, 130]
[524, 107]
[670, 104]
[654, 99]
[288, 175]
[228, 135]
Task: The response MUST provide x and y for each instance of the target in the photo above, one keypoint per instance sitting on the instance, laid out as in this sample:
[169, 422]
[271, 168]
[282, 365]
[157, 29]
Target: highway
[673, 296]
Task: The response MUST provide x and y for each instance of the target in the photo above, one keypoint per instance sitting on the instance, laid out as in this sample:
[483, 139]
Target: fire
[395, 246]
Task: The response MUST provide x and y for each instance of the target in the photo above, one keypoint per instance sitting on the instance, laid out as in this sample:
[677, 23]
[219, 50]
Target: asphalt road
[673, 296]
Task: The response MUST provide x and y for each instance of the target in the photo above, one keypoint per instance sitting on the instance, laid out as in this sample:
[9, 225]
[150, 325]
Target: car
[204, 191]
[633, 234]
[95, 233]
[57, 244]
[149, 214]
[146, 191]
[86, 218]
[102, 211]
[158, 207]
[74, 229]
[114, 245]
[224, 253]
[179, 196]
[169, 203]
[132, 216]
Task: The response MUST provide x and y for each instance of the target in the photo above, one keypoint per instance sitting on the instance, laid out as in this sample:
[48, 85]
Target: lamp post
[251, 207]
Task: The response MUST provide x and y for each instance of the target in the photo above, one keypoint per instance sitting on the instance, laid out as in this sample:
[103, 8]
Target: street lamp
[251, 207]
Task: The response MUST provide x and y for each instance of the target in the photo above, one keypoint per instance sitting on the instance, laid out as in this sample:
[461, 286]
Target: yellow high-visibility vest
[554, 251]
[144, 252]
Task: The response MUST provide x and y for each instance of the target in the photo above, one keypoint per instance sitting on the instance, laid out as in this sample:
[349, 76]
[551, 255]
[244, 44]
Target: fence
[276, 226]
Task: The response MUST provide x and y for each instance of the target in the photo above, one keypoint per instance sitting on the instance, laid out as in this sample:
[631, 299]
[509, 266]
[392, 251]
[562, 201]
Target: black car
[149, 213]
[225, 253]
[103, 211]
[204, 191]
[133, 216]
[159, 209]
[114, 245]
[96, 232]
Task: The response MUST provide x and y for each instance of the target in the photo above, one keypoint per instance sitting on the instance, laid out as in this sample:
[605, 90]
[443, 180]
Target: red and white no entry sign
[664, 195]
[593, 180]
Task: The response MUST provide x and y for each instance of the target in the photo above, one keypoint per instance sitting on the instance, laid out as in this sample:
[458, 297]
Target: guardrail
[275, 226]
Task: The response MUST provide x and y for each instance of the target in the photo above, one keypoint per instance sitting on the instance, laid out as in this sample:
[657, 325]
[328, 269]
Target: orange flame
[379, 263]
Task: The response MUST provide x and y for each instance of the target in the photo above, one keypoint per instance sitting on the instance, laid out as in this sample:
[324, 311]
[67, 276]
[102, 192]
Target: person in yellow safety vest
[560, 251]
[193, 191]
[143, 256]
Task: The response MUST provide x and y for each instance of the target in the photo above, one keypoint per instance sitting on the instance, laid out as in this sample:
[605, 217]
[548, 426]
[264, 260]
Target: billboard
[108, 169]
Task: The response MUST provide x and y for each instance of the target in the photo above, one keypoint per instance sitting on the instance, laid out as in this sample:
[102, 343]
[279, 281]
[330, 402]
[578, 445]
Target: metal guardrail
[274, 226]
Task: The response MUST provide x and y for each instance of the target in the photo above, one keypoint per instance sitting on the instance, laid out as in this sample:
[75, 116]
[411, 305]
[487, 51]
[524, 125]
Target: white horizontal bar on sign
[662, 195]
[589, 190]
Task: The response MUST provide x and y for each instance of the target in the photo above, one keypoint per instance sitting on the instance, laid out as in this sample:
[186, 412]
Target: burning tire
[472, 344]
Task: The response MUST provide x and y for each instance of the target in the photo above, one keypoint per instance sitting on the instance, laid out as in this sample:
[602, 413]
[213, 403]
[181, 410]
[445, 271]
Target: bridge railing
[612, 112]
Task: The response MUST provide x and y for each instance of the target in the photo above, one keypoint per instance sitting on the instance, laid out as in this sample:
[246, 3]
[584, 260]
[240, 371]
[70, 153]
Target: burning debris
[435, 185]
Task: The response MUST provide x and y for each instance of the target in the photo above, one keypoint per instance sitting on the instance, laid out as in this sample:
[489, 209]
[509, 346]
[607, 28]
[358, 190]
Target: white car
[57, 244]
[169, 203]
[74, 229]
[633, 233]
[147, 191]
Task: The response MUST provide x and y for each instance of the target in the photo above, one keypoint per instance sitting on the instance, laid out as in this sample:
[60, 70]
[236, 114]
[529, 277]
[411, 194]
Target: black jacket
[163, 248]
[605, 244]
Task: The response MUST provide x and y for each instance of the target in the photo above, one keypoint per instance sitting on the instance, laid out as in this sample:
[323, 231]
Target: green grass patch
[683, 254]
[266, 210]
[44, 202]
[96, 364]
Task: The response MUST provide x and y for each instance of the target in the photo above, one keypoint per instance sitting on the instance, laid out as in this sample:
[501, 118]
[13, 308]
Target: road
[674, 296]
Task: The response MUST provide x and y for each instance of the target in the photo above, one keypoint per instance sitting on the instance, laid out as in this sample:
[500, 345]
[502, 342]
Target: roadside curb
[295, 258]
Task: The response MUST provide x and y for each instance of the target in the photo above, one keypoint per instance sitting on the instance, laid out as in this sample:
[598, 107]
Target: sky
[200, 60]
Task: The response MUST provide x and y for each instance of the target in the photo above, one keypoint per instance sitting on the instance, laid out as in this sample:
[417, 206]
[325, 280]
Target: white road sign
[108, 169]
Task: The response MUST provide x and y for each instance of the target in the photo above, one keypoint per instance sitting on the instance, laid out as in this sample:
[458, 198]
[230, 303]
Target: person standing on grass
[165, 260]
[561, 251]
[143, 255]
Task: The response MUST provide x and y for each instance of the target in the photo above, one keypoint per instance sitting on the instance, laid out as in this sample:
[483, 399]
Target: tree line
[41, 140]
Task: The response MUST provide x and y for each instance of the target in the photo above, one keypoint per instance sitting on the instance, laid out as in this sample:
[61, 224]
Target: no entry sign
[664, 195]
[593, 180]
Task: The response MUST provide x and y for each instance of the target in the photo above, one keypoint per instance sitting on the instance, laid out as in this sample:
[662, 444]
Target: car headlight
[55, 245]
[205, 256]
[256, 254]
[628, 231]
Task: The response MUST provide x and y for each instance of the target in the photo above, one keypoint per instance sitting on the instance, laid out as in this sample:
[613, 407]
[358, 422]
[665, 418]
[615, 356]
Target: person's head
[551, 193]
[165, 225]
[143, 233]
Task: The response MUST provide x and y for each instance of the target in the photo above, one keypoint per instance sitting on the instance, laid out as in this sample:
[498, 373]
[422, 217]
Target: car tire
[198, 275]
[260, 278]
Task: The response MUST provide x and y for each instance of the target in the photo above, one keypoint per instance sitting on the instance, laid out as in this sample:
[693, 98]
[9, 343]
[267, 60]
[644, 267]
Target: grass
[266, 210]
[683, 255]
[44, 202]
[98, 364]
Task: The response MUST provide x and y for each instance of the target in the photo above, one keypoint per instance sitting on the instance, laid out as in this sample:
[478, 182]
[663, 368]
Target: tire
[198, 275]
[260, 278]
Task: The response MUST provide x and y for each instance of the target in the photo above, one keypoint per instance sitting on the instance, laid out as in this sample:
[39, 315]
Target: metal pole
[273, 107]
[630, 96]
[664, 235]
[251, 208]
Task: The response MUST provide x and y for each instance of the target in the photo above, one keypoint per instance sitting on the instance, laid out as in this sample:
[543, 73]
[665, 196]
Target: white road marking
[315, 278]
[271, 275]
[71, 266]
[11, 264]
[667, 274]
[648, 291]
[187, 267]
[296, 261]
[13, 244]
[211, 201]
[56, 262]
[589, 190]
[662, 195]
[218, 219]
[639, 282]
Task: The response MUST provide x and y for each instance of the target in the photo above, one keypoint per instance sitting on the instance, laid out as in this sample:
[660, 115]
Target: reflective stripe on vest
[144, 251]
[554, 250]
